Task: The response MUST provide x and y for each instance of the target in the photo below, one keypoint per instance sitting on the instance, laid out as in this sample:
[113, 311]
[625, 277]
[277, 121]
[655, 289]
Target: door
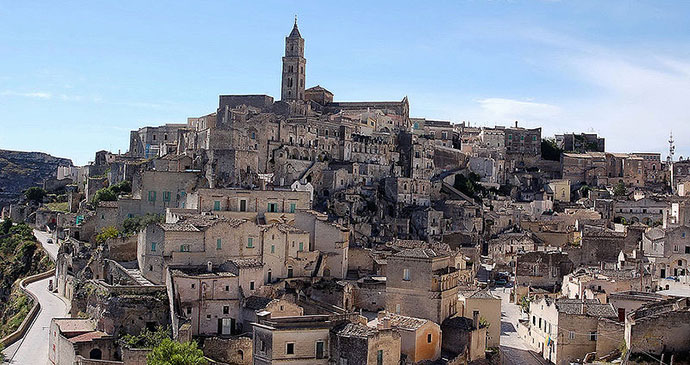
[243, 205]
[663, 273]
[227, 326]
[319, 350]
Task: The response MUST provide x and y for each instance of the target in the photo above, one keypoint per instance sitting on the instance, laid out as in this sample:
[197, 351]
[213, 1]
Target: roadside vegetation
[20, 256]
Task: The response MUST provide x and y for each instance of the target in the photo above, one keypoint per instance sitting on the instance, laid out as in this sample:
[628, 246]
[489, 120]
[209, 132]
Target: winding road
[33, 348]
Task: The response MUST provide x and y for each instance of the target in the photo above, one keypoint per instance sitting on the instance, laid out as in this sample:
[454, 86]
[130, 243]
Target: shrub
[106, 233]
[103, 195]
[35, 194]
[169, 352]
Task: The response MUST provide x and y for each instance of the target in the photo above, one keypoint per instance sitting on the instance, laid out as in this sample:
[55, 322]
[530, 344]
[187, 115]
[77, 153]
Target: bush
[550, 151]
[147, 338]
[135, 224]
[35, 194]
[169, 352]
[103, 195]
[619, 189]
[6, 225]
[123, 187]
[107, 233]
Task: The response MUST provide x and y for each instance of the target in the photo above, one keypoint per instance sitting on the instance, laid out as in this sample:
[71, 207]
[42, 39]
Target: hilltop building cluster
[311, 230]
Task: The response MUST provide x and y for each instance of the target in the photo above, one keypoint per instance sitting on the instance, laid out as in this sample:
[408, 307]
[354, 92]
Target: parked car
[50, 240]
[501, 282]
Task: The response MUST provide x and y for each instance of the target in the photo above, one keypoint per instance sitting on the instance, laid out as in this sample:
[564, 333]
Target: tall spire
[295, 31]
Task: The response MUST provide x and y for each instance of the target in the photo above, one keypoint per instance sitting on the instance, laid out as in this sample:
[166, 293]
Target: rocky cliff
[21, 170]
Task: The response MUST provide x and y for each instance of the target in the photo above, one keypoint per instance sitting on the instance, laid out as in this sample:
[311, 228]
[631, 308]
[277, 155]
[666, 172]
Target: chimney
[386, 324]
[209, 266]
[475, 319]
[516, 124]
[621, 314]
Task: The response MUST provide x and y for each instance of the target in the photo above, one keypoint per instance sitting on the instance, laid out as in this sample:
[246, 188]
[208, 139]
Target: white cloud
[501, 109]
[34, 95]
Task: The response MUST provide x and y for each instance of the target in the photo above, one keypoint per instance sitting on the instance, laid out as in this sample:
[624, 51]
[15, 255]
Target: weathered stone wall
[610, 336]
[236, 350]
[667, 332]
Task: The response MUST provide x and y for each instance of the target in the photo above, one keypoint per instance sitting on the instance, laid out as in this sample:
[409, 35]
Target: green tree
[106, 233]
[103, 195]
[6, 225]
[35, 193]
[169, 352]
[123, 187]
[550, 151]
[147, 338]
[619, 189]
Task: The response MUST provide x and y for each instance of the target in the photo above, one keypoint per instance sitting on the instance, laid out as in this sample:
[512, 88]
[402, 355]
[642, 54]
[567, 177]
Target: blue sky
[76, 77]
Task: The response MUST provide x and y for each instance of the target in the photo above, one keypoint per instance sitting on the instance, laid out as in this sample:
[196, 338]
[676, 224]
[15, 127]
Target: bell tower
[294, 63]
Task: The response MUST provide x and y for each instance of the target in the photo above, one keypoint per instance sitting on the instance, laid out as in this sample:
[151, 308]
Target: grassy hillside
[20, 256]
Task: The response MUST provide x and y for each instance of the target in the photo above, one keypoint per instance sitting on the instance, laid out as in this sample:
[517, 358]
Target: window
[397, 308]
[166, 196]
[301, 247]
[184, 248]
[219, 244]
[227, 288]
[226, 309]
[682, 234]
[379, 357]
[251, 285]
[216, 205]
[687, 249]
[292, 207]
[273, 248]
[406, 274]
[571, 335]
[243, 205]
[153, 246]
[272, 207]
[152, 196]
[428, 338]
[189, 310]
[319, 350]
[290, 348]
[250, 242]
[193, 286]
[290, 272]
[593, 336]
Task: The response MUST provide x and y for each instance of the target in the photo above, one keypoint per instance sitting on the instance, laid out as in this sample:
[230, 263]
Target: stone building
[356, 343]
[259, 202]
[660, 329]
[565, 330]
[147, 142]
[542, 269]
[464, 339]
[210, 298]
[73, 340]
[420, 338]
[580, 143]
[488, 307]
[505, 248]
[648, 211]
[422, 283]
[668, 251]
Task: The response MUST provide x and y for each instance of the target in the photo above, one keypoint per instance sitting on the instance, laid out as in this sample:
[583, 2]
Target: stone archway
[95, 354]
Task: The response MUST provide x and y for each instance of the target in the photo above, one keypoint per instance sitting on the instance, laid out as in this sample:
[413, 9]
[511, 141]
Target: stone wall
[667, 332]
[610, 336]
[236, 350]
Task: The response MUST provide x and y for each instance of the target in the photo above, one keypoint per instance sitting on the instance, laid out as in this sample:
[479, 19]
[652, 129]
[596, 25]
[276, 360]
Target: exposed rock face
[21, 170]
